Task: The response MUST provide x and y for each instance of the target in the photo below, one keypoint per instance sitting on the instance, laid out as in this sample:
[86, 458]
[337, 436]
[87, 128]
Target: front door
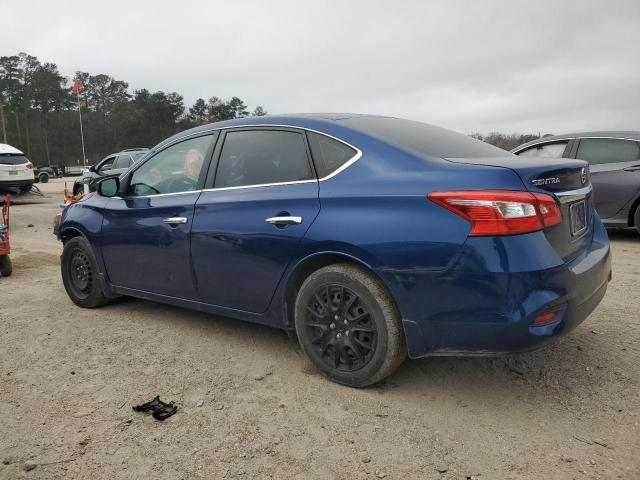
[247, 228]
[146, 232]
[615, 171]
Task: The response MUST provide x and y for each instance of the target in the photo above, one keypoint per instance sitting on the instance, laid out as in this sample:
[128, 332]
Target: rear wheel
[25, 188]
[348, 325]
[5, 266]
[80, 274]
[636, 218]
[44, 178]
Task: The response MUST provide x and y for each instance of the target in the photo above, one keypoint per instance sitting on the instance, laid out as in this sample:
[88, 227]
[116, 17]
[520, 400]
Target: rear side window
[328, 154]
[258, 157]
[123, 161]
[548, 150]
[607, 150]
[13, 159]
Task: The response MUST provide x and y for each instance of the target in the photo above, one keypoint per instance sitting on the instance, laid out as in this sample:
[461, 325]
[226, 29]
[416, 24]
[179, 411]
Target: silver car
[614, 162]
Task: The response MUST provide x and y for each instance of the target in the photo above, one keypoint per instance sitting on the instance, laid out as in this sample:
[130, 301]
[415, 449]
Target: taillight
[501, 212]
[29, 165]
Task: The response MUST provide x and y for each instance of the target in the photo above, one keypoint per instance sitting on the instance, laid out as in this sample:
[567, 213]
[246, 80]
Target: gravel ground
[250, 405]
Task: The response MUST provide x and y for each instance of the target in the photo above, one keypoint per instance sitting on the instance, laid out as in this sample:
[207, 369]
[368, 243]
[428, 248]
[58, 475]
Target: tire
[43, 177]
[80, 274]
[26, 188]
[348, 325]
[5, 266]
[636, 219]
[77, 189]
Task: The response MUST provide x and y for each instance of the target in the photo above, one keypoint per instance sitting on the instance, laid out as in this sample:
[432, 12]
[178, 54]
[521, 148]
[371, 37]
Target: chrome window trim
[294, 182]
[158, 194]
[343, 167]
[346, 165]
[568, 139]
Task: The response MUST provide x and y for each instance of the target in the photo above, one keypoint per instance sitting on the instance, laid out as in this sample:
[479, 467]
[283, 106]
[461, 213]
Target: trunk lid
[565, 179]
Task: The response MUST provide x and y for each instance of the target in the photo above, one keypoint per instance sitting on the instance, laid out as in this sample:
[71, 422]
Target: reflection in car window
[607, 150]
[548, 150]
[259, 157]
[107, 165]
[328, 154]
[174, 169]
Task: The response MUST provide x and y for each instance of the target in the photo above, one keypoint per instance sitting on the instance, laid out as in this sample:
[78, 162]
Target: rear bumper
[487, 301]
[16, 183]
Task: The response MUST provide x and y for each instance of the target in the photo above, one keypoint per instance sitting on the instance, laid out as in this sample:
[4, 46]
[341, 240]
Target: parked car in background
[74, 170]
[110, 165]
[44, 173]
[614, 162]
[16, 171]
[369, 236]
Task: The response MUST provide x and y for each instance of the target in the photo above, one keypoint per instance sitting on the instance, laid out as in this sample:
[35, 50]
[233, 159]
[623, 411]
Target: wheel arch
[316, 261]
[632, 211]
[69, 233]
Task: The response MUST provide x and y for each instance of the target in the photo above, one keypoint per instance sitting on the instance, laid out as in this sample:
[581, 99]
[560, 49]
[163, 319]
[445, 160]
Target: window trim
[212, 157]
[210, 181]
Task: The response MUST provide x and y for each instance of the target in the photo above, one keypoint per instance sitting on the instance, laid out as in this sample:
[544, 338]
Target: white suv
[15, 169]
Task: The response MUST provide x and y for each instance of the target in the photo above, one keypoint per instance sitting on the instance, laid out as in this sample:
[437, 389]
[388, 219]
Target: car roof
[9, 150]
[620, 134]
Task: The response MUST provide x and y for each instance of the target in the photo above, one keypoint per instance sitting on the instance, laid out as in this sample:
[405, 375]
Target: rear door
[145, 233]
[615, 171]
[247, 227]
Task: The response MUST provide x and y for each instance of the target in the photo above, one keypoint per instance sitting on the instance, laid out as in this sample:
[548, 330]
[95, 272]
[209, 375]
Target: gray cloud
[472, 66]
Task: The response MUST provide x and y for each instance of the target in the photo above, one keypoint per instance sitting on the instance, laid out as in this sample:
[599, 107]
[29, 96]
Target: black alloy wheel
[340, 327]
[348, 325]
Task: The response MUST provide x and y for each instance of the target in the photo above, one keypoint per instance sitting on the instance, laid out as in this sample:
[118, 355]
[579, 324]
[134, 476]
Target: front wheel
[349, 326]
[80, 274]
[44, 178]
[636, 218]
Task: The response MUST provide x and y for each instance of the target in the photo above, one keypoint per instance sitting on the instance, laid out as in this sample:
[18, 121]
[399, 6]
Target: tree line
[507, 141]
[39, 114]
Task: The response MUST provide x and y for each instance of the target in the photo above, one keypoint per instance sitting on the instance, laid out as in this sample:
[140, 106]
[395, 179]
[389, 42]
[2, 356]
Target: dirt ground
[251, 406]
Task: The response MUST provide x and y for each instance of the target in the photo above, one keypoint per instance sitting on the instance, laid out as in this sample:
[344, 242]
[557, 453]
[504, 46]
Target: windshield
[423, 138]
[13, 159]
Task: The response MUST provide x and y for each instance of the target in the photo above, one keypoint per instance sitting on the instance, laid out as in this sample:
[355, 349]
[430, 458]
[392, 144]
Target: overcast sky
[473, 66]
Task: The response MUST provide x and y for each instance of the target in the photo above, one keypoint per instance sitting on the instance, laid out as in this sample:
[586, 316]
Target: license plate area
[578, 218]
[13, 172]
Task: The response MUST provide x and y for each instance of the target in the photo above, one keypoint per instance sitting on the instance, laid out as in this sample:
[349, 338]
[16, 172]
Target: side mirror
[108, 187]
[92, 168]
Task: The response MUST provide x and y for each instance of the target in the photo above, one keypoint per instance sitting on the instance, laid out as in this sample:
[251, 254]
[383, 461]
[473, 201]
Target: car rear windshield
[13, 159]
[423, 138]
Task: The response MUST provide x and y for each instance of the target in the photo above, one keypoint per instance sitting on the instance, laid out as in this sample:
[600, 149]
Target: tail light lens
[500, 212]
[29, 165]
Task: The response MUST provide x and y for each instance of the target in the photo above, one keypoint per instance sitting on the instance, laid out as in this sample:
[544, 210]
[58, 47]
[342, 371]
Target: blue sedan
[372, 238]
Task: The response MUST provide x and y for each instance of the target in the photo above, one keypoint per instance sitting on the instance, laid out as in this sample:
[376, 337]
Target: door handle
[175, 220]
[282, 221]
[632, 168]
